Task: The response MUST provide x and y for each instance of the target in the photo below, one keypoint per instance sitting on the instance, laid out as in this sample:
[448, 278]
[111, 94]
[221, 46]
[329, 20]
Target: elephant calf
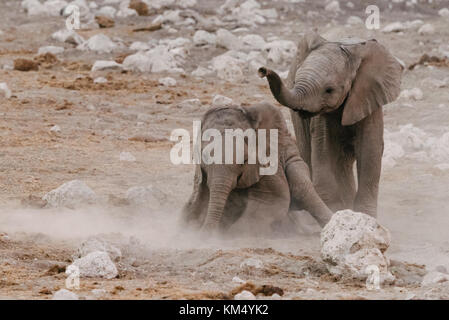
[236, 196]
[336, 91]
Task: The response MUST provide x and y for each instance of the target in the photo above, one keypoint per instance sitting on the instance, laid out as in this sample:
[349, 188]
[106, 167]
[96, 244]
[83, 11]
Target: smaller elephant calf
[237, 196]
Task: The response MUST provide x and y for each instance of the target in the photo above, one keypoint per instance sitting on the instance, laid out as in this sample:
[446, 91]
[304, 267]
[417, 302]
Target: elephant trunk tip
[263, 72]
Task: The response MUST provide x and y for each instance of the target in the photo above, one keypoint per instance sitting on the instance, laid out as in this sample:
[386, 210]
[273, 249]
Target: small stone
[127, 156]
[426, 29]
[415, 94]
[201, 72]
[252, 262]
[100, 80]
[238, 280]
[220, 100]
[202, 37]
[167, 81]
[148, 196]
[50, 49]
[64, 294]
[99, 43]
[105, 65]
[25, 65]
[69, 36]
[434, 277]
[245, 295]
[190, 104]
[394, 27]
[5, 90]
[333, 6]
[55, 129]
[96, 264]
[71, 194]
[444, 12]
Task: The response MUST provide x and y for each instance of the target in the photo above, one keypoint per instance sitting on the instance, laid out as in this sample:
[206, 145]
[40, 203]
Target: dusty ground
[98, 120]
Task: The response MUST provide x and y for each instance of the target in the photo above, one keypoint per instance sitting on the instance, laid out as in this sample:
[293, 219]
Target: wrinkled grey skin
[336, 91]
[236, 196]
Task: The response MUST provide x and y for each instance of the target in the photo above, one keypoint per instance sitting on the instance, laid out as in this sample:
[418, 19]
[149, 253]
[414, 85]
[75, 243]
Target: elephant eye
[329, 90]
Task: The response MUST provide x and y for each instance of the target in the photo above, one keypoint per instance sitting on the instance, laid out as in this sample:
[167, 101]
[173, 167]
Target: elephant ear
[377, 80]
[308, 42]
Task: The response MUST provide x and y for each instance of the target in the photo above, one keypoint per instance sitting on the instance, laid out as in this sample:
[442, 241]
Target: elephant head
[223, 178]
[361, 76]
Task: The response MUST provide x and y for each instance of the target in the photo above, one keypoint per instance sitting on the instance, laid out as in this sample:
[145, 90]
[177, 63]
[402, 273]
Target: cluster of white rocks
[414, 143]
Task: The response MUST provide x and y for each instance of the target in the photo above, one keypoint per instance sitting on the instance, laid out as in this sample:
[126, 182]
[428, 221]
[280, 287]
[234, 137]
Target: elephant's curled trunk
[291, 98]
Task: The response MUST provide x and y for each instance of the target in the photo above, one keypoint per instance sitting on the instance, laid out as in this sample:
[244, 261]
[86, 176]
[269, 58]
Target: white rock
[219, 100]
[439, 147]
[426, 29]
[268, 13]
[50, 49]
[394, 27]
[100, 80]
[354, 20]
[228, 40]
[353, 241]
[237, 280]
[280, 50]
[158, 59]
[190, 104]
[415, 94]
[126, 12]
[333, 6]
[55, 128]
[253, 42]
[107, 11]
[442, 166]
[252, 262]
[434, 277]
[127, 156]
[139, 46]
[69, 36]
[228, 68]
[202, 37]
[105, 65]
[64, 294]
[145, 196]
[202, 72]
[93, 244]
[71, 194]
[167, 81]
[245, 295]
[99, 43]
[96, 264]
[4, 90]
[444, 12]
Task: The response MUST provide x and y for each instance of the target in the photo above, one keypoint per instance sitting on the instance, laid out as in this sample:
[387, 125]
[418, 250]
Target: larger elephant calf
[237, 196]
[336, 91]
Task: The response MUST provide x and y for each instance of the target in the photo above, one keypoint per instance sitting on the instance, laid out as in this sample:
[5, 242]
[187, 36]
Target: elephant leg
[302, 133]
[268, 202]
[332, 161]
[369, 145]
[303, 193]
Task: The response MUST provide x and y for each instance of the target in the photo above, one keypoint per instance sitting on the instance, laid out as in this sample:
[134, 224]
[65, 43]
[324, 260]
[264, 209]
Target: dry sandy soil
[158, 262]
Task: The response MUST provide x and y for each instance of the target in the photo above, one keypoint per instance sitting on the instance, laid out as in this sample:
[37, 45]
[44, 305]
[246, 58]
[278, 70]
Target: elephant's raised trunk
[293, 99]
[219, 190]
